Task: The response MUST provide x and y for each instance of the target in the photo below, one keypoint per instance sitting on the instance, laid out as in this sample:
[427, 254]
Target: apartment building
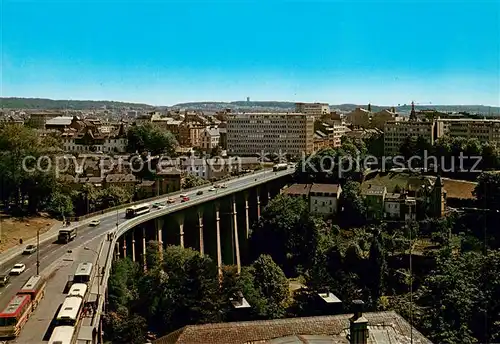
[359, 117]
[38, 120]
[379, 119]
[485, 130]
[336, 134]
[210, 138]
[396, 133]
[272, 133]
[314, 109]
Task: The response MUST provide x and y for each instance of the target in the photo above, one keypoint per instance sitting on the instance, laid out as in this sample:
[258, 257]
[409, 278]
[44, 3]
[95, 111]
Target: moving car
[94, 223]
[185, 199]
[4, 280]
[183, 196]
[170, 200]
[17, 269]
[199, 192]
[213, 189]
[29, 249]
[158, 206]
[224, 186]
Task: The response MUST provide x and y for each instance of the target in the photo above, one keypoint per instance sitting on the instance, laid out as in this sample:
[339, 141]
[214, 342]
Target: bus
[62, 335]
[35, 287]
[70, 311]
[15, 315]
[83, 273]
[78, 289]
[20, 307]
[280, 167]
[66, 235]
[137, 210]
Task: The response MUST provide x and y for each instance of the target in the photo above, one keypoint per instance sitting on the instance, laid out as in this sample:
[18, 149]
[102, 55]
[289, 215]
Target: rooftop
[384, 328]
[375, 190]
[298, 189]
[325, 188]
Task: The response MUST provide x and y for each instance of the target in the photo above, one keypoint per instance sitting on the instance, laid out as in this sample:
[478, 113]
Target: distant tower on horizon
[413, 115]
[369, 107]
[248, 99]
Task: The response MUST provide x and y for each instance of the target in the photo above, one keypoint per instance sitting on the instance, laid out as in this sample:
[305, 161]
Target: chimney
[358, 329]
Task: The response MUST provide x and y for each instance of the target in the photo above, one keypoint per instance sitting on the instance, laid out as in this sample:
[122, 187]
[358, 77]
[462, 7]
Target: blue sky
[166, 52]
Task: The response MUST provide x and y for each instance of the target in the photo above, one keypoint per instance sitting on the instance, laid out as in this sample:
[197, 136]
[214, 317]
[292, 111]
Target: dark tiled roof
[375, 190]
[267, 330]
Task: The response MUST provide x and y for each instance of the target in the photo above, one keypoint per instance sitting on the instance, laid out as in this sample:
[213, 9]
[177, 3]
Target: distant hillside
[50, 104]
[290, 106]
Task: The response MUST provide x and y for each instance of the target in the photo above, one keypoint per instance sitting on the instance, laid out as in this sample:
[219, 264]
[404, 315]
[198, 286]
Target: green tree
[60, 205]
[192, 181]
[487, 190]
[287, 232]
[113, 196]
[354, 212]
[150, 138]
[377, 267]
[266, 288]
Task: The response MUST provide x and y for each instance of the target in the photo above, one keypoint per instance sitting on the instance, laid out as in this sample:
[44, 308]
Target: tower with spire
[413, 115]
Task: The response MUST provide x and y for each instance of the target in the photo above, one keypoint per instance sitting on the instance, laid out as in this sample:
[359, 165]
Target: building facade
[396, 132]
[210, 138]
[485, 130]
[314, 109]
[270, 133]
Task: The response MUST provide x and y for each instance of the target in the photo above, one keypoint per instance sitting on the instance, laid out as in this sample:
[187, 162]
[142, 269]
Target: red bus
[15, 315]
[20, 307]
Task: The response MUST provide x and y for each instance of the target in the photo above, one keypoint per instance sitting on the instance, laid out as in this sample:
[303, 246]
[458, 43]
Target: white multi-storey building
[270, 133]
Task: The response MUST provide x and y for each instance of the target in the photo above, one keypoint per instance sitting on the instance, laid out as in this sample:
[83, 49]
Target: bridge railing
[155, 198]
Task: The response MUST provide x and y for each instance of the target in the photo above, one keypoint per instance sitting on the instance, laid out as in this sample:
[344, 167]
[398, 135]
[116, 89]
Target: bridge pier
[180, 220]
[117, 249]
[159, 231]
[235, 236]
[219, 251]
[247, 219]
[133, 246]
[144, 262]
[200, 227]
[258, 203]
[124, 247]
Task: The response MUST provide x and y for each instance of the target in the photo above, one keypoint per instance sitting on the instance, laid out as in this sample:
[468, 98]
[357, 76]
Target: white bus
[78, 289]
[83, 273]
[70, 311]
[62, 335]
[137, 210]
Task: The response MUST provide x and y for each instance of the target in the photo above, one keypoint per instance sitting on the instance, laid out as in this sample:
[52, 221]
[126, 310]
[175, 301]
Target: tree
[60, 205]
[487, 190]
[287, 232]
[354, 209]
[113, 196]
[150, 138]
[192, 181]
[377, 267]
[461, 299]
[266, 288]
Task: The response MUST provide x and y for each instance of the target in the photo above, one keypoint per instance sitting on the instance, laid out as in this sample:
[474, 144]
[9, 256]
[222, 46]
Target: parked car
[4, 280]
[185, 199]
[17, 269]
[94, 223]
[29, 249]
[199, 192]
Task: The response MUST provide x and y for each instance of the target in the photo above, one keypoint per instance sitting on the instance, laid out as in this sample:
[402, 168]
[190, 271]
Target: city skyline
[167, 52]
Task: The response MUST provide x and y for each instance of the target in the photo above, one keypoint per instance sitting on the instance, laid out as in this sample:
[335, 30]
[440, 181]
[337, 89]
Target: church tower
[413, 115]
